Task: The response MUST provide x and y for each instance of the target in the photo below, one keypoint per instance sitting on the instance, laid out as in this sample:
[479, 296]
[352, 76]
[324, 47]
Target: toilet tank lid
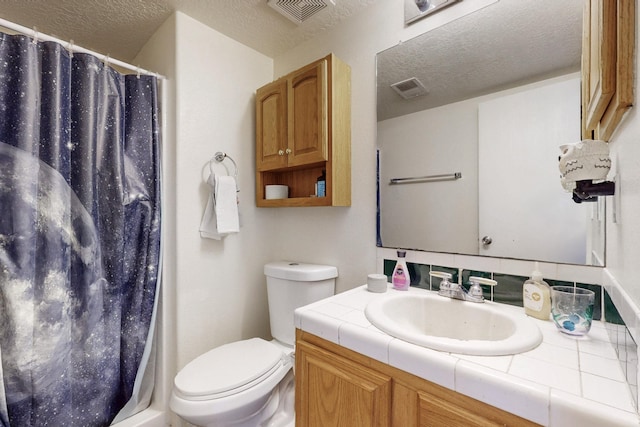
[298, 271]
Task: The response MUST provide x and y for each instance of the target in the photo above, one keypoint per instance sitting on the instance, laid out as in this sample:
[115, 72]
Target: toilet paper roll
[276, 192]
[377, 283]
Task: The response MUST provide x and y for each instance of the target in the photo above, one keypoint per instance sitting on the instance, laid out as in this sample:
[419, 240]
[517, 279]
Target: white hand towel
[221, 213]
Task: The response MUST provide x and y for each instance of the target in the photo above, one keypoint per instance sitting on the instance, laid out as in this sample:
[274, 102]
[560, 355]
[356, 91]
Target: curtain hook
[70, 48]
[106, 60]
[35, 36]
[138, 71]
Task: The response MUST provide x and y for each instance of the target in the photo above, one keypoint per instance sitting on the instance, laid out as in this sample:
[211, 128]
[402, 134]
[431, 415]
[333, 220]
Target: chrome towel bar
[428, 178]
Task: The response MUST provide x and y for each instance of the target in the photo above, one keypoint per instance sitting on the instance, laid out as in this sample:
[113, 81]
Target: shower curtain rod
[73, 48]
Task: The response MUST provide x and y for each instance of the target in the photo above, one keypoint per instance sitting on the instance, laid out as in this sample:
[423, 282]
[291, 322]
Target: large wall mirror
[480, 108]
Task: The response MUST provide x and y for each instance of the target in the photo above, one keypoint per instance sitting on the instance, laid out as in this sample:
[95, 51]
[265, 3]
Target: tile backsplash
[511, 275]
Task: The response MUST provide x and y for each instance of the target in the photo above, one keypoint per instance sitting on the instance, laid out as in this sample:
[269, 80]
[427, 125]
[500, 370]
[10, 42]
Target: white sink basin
[440, 323]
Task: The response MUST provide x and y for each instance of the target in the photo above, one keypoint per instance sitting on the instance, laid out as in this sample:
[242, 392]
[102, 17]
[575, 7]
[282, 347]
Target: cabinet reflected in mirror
[503, 93]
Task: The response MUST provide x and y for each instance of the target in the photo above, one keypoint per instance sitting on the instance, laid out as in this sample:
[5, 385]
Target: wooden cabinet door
[334, 391]
[608, 46]
[599, 58]
[308, 115]
[271, 126]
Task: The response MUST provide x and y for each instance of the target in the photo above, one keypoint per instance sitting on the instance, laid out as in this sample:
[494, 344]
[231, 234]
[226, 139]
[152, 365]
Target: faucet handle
[475, 290]
[445, 283]
[483, 281]
[440, 274]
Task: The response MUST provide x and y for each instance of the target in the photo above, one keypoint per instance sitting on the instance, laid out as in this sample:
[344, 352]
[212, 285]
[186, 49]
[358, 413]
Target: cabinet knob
[288, 151]
[280, 153]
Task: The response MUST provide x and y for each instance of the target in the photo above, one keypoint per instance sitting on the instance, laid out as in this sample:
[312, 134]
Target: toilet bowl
[250, 383]
[232, 385]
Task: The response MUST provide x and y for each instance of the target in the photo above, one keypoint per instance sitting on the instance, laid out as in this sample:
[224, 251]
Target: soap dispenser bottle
[401, 278]
[536, 296]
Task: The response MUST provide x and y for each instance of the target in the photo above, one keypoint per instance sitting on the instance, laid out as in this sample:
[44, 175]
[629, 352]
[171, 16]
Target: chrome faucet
[457, 291]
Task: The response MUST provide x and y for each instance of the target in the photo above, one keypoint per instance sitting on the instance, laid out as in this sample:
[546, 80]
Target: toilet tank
[291, 285]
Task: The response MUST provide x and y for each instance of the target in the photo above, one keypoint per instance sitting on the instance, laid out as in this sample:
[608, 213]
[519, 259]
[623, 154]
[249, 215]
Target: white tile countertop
[564, 381]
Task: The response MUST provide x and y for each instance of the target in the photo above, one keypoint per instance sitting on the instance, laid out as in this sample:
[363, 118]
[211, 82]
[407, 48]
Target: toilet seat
[228, 369]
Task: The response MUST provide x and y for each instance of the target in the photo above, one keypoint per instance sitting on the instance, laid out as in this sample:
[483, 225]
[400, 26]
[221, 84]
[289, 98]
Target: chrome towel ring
[219, 158]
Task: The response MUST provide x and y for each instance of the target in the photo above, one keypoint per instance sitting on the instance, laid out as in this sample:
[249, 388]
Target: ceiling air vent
[300, 10]
[409, 88]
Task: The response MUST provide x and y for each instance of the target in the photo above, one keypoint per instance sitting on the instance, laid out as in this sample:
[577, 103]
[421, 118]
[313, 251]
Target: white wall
[214, 291]
[623, 237]
[220, 288]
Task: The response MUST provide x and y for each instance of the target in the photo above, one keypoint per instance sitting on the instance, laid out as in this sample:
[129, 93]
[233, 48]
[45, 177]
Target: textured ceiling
[508, 43]
[120, 28]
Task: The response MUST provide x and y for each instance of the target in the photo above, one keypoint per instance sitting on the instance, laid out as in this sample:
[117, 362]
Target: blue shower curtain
[79, 234]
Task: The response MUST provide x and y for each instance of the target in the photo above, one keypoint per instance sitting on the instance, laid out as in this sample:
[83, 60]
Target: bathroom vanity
[337, 386]
[350, 373]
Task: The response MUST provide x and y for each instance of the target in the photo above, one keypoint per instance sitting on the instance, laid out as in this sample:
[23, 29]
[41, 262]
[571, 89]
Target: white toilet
[250, 383]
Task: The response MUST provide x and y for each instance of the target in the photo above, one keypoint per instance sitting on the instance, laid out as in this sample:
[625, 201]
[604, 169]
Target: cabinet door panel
[333, 391]
[623, 98]
[271, 126]
[460, 411]
[599, 50]
[308, 111]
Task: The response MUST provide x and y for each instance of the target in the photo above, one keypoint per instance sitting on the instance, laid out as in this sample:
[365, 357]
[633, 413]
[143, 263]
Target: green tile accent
[611, 313]
[509, 289]
[419, 275]
[389, 265]
[552, 282]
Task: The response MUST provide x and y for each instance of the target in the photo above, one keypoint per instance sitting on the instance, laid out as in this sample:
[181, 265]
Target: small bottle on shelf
[321, 184]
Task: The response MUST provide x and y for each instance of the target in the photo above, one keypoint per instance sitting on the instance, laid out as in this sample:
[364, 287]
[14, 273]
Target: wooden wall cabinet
[338, 387]
[303, 127]
[608, 44]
